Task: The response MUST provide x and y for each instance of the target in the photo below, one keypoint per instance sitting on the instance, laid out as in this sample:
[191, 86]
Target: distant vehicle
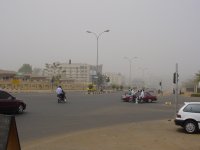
[127, 97]
[9, 104]
[188, 117]
[62, 99]
[148, 97]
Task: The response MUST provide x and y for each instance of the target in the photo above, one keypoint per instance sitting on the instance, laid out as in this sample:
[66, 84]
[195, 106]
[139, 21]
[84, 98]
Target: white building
[75, 72]
[115, 78]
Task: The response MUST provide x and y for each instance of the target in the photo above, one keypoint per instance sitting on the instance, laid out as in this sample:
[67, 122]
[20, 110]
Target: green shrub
[195, 95]
[90, 86]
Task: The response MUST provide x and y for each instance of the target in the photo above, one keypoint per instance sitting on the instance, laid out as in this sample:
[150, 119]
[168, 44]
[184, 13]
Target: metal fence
[40, 85]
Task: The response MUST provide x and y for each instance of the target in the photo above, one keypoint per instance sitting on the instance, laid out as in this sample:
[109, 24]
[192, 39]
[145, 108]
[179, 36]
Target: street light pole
[143, 73]
[176, 89]
[97, 54]
[97, 38]
[130, 62]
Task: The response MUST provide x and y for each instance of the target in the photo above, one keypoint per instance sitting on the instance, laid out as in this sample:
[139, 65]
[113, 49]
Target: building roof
[7, 72]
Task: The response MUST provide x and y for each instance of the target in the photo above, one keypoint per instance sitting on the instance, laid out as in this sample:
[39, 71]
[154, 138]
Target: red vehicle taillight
[178, 116]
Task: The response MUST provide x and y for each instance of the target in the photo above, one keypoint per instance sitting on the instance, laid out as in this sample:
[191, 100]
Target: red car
[9, 104]
[127, 97]
[148, 97]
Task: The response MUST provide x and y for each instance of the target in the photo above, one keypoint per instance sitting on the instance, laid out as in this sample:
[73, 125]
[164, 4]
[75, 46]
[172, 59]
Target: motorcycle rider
[60, 93]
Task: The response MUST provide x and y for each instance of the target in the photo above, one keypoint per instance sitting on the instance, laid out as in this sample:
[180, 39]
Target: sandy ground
[154, 135]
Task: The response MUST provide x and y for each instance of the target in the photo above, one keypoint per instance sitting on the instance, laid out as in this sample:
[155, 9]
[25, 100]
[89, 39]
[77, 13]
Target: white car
[189, 117]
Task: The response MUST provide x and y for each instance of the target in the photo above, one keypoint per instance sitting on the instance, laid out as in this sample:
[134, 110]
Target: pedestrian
[129, 91]
[142, 94]
[132, 92]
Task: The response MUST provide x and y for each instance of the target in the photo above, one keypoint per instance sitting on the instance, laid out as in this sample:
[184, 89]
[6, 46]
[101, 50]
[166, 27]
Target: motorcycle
[62, 99]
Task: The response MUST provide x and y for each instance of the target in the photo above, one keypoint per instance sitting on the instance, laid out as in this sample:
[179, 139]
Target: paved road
[45, 117]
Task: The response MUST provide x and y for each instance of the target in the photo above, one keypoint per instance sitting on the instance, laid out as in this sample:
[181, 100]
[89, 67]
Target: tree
[58, 77]
[55, 67]
[37, 72]
[113, 86]
[25, 69]
[100, 79]
[121, 87]
[117, 87]
[197, 78]
[107, 79]
[90, 86]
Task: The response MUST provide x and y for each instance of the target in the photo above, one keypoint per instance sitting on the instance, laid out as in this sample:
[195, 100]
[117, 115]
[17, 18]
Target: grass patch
[195, 95]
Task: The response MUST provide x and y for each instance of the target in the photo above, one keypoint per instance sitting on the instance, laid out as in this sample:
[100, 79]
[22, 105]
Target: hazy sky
[160, 33]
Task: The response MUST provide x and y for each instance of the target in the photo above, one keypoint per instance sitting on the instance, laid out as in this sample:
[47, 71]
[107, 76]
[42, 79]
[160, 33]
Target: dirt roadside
[152, 135]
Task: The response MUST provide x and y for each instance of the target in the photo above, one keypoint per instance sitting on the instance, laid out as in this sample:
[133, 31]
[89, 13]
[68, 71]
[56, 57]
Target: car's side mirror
[13, 97]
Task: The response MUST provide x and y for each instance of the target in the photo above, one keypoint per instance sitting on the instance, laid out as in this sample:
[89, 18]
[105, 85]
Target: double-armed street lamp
[130, 62]
[97, 37]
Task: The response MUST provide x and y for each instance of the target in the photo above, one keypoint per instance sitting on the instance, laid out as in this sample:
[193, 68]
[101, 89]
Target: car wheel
[150, 100]
[20, 109]
[190, 126]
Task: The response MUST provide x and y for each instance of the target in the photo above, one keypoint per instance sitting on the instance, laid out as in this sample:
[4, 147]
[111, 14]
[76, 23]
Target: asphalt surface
[45, 117]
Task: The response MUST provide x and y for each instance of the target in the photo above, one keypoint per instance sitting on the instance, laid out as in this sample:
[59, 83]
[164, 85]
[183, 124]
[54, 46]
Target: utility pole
[176, 88]
[130, 73]
[161, 89]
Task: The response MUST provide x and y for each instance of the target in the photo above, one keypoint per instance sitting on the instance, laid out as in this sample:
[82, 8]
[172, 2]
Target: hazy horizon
[160, 33]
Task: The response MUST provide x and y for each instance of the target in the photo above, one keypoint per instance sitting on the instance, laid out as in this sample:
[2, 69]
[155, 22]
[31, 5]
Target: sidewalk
[154, 135]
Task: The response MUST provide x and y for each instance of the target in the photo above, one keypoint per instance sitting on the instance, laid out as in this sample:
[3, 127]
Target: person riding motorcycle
[60, 93]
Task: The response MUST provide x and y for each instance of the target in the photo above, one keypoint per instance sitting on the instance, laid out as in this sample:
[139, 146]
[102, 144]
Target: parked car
[9, 104]
[148, 97]
[188, 117]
